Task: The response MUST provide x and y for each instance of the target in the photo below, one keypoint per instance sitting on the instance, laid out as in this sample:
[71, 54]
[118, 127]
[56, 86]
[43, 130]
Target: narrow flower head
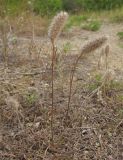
[93, 45]
[57, 25]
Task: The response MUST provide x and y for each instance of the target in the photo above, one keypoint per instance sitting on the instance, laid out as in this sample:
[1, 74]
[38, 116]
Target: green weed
[31, 96]
[96, 83]
[76, 20]
[91, 26]
[51, 7]
[66, 47]
[48, 7]
[120, 35]
[13, 7]
[93, 86]
[80, 5]
[98, 77]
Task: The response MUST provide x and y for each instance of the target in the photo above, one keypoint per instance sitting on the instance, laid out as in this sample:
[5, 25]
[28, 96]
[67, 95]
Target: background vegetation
[48, 7]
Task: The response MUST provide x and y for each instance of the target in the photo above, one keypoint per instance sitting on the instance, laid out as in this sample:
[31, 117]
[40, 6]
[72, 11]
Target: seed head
[57, 25]
[93, 45]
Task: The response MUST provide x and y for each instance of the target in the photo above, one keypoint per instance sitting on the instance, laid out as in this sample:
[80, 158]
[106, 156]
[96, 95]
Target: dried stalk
[89, 47]
[54, 31]
[104, 57]
[52, 115]
[107, 50]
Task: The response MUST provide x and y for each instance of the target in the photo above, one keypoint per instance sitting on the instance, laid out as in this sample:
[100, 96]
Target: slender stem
[71, 83]
[70, 91]
[106, 60]
[52, 109]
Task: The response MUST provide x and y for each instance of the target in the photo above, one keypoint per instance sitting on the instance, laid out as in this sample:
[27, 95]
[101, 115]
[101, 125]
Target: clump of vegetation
[99, 5]
[120, 35]
[95, 83]
[66, 47]
[49, 7]
[13, 7]
[86, 5]
[31, 96]
[84, 22]
[92, 26]
[76, 20]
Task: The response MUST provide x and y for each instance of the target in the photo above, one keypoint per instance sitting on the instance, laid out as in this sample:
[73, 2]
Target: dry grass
[93, 129]
[54, 31]
[22, 25]
[87, 48]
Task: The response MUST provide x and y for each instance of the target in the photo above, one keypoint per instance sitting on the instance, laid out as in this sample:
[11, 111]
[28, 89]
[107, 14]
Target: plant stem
[52, 109]
[71, 83]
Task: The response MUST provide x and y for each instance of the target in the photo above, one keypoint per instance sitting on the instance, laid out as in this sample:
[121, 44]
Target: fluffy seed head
[93, 45]
[57, 25]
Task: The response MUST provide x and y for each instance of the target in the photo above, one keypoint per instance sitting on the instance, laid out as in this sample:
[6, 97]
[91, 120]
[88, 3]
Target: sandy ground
[109, 30]
[77, 37]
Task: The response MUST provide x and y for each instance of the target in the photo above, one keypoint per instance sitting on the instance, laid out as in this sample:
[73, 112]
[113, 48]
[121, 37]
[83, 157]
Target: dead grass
[94, 127]
[22, 25]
